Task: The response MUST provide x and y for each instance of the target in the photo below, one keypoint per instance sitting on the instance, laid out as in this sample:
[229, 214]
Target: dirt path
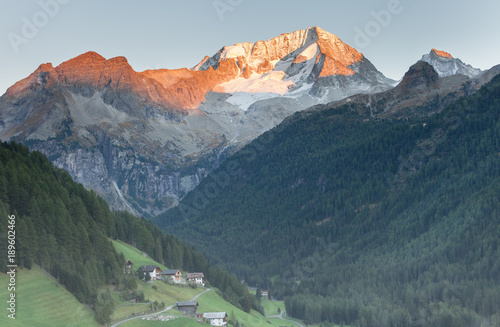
[280, 316]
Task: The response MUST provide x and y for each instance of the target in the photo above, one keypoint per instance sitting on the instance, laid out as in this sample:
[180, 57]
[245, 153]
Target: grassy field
[129, 309]
[211, 302]
[154, 291]
[168, 293]
[179, 322]
[271, 307]
[134, 255]
[41, 302]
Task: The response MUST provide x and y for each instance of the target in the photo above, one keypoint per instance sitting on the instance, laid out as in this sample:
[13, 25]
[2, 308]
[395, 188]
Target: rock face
[143, 140]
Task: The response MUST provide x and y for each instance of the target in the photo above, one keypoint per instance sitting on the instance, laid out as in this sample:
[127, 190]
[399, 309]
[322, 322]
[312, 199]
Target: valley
[281, 181]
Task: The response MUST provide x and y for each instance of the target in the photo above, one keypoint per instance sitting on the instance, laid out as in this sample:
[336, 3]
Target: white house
[197, 278]
[216, 318]
[152, 270]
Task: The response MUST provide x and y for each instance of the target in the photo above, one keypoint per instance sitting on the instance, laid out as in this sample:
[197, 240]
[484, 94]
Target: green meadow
[212, 302]
[136, 256]
[178, 322]
[271, 307]
[41, 301]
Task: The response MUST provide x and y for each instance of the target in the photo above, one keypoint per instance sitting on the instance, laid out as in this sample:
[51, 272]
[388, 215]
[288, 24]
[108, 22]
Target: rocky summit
[446, 65]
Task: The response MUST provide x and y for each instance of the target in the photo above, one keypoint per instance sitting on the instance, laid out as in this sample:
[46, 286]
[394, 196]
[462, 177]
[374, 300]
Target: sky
[153, 34]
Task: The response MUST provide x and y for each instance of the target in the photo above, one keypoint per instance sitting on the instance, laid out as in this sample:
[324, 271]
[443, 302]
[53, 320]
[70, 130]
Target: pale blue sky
[174, 34]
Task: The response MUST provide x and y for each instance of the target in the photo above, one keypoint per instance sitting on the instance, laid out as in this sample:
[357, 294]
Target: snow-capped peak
[446, 65]
[295, 47]
[286, 62]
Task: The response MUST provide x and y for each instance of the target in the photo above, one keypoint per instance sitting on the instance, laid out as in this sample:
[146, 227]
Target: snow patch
[234, 51]
[244, 100]
[310, 52]
[271, 82]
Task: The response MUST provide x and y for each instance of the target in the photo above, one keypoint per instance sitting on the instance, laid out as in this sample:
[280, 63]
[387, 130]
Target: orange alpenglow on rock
[313, 42]
[442, 53]
[271, 66]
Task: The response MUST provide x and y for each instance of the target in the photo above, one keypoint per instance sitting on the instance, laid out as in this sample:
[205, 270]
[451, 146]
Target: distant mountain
[446, 65]
[143, 140]
[377, 210]
[292, 64]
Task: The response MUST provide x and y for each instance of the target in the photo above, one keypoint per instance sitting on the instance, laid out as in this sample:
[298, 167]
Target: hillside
[44, 302]
[66, 230]
[372, 222]
[210, 301]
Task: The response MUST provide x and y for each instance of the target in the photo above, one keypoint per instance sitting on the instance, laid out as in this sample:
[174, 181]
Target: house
[128, 267]
[197, 278]
[265, 294]
[153, 271]
[174, 274]
[216, 318]
[189, 307]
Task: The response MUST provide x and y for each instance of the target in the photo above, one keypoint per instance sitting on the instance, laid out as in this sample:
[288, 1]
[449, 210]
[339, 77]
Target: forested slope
[363, 221]
[66, 229]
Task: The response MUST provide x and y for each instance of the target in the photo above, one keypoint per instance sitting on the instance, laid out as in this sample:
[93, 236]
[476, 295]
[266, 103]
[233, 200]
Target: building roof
[187, 304]
[195, 275]
[170, 272]
[214, 315]
[148, 268]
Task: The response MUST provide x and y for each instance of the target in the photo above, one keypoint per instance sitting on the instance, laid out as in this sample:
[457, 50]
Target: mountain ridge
[143, 140]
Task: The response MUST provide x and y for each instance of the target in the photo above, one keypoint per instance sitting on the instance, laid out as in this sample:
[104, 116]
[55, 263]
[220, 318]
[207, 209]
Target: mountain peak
[446, 65]
[420, 76]
[263, 56]
[43, 75]
[83, 59]
[283, 63]
[440, 53]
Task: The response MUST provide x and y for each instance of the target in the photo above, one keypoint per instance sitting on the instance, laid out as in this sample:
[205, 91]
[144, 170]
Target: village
[153, 273]
[181, 298]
